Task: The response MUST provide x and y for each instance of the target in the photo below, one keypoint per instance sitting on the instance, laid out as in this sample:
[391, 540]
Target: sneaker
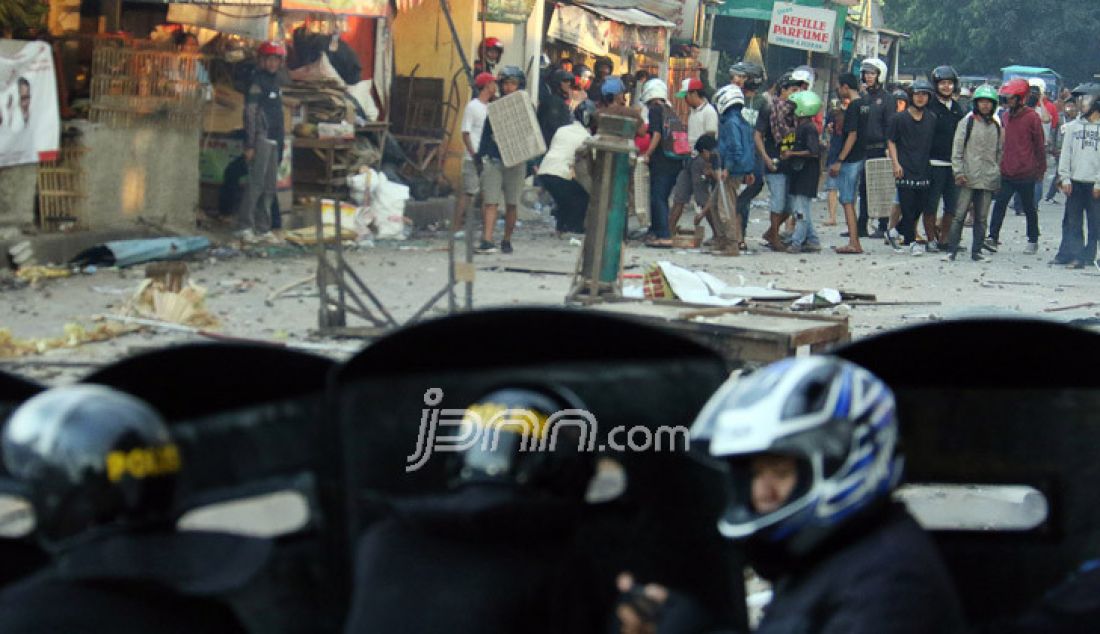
[460, 235]
[978, 257]
[505, 246]
[933, 246]
[1032, 248]
[950, 257]
[269, 238]
[991, 245]
[247, 236]
[878, 234]
[916, 249]
[892, 237]
[485, 248]
[794, 249]
[1076, 264]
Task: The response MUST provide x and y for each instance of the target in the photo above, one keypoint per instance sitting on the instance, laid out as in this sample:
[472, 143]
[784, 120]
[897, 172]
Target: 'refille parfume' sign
[803, 28]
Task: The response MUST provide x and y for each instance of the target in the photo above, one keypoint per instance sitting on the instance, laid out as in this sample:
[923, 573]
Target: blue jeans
[849, 181]
[1080, 207]
[777, 188]
[804, 229]
[662, 178]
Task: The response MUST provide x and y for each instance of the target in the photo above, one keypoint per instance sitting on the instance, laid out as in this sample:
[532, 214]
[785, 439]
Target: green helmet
[807, 103]
[985, 91]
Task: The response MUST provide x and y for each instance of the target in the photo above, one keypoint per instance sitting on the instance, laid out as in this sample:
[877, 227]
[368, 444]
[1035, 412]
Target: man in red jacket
[1023, 165]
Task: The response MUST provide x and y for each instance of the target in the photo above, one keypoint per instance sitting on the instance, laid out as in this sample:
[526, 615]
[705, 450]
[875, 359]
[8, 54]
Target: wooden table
[744, 336]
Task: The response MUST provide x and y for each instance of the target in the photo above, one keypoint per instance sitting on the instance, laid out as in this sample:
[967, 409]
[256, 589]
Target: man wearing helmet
[494, 553]
[750, 78]
[871, 122]
[500, 185]
[948, 114]
[1079, 174]
[604, 68]
[489, 54]
[774, 135]
[101, 471]
[811, 448]
[1023, 164]
[976, 164]
[910, 145]
[702, 120]
[554, 111]
[736, 152]
[263, 144]
[804, 163]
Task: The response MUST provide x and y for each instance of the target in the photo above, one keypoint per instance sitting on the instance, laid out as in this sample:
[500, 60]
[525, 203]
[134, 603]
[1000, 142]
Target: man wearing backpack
[666, 134]
[976, 163]
[702, 120]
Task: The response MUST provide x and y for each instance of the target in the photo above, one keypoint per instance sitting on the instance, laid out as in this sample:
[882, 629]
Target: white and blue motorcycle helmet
[837, 420]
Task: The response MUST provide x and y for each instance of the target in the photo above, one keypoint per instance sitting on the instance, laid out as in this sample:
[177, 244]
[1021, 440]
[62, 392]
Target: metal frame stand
[598, 276]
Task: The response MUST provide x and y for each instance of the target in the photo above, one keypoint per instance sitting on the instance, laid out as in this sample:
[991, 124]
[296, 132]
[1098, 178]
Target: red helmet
[1015, 88]
[271, 47]
[492, 42]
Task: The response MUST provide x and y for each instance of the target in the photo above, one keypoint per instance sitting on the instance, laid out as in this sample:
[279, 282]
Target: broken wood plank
[1061, 308]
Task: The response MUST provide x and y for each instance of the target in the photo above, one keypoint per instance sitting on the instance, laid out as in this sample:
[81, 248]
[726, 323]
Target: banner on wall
[30, 126]
[804, 28]
[573, 25]
[508, 11]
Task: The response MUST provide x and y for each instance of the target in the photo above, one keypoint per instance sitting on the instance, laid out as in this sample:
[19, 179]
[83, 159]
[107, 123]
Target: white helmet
[654, 89]
[1035, 82]
[877, 65]
[727, 97]
[803, 74]
[834, 418]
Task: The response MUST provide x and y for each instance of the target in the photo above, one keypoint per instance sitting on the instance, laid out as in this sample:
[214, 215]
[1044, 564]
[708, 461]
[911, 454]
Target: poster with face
[30, 128]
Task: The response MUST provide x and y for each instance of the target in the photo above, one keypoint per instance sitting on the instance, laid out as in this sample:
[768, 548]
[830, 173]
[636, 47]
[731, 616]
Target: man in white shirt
[702, 120]
[473, 122]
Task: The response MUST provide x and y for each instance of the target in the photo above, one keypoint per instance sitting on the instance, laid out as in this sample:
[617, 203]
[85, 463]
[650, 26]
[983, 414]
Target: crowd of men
[955, 156]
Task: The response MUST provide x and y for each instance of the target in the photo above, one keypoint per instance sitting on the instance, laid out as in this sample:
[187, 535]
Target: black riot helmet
[92, 458]
[941, 73]
[539, 440]
[585, 113]
[513, 72]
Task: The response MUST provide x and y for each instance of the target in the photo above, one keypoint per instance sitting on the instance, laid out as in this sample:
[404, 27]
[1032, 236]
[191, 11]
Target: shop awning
[630, 17]
[755, 9]
[671, 10]
[600, 30]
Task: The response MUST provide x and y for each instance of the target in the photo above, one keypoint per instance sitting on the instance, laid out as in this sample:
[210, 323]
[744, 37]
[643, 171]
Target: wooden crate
[61, 190]
[744, 336]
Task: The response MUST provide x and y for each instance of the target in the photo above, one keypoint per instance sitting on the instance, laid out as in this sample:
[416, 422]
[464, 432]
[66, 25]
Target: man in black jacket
[810, 448]
[495, 554]
[554, 111]
[948, 114]
[101, 469]
[876, 109]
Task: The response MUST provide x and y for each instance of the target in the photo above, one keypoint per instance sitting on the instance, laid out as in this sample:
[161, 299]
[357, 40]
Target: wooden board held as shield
[516, 129]
[881, 187]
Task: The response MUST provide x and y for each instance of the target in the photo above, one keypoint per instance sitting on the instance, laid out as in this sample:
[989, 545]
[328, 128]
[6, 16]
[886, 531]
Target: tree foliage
[982, 36]
[18, 16]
